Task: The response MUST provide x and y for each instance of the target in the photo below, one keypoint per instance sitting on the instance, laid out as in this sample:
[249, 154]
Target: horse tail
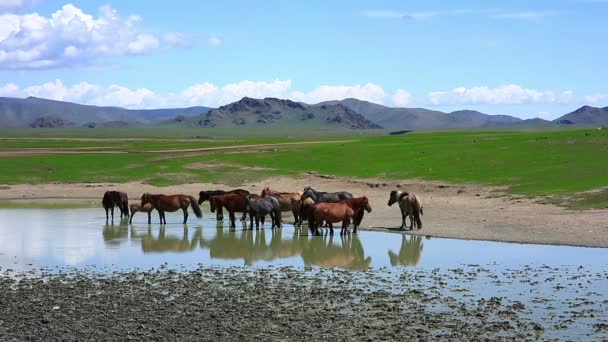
[195, 207]
[418, 220]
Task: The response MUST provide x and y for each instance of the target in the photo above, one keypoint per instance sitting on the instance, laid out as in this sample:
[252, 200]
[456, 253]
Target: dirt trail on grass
[10, 152]
[457, 211]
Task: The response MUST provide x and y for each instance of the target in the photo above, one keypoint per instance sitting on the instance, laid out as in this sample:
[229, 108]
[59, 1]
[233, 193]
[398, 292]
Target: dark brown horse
[343, 211]
[118, 199]
[172, 203]
[206, 194]
[234, 203]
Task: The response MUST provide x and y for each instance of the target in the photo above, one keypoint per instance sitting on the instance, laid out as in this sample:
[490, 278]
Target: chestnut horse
[206, 194]
[233, 203]
[343, 211]
[289, 201]
[118, 199]
[172, 203]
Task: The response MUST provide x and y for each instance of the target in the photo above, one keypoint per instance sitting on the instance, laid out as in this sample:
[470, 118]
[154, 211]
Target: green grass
[551, 163]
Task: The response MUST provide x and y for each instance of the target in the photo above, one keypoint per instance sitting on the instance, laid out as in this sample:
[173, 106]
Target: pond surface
[34, 238]
[564, 289]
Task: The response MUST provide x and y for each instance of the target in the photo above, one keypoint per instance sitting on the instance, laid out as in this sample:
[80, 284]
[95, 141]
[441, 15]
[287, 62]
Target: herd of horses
[316, 208]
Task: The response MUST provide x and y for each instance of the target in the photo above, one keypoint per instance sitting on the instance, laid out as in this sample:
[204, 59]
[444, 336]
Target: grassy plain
[551, 164]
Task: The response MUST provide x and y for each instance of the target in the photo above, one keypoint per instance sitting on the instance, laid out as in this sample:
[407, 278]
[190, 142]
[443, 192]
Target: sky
[529, 58]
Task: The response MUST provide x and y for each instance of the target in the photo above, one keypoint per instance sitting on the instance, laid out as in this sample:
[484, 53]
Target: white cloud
[597, 99]
[524, 15]
[367, 92]
[422, 15]
[506, 94]
[215, 40]
[14, 5]
[72, 37]
[401, 98]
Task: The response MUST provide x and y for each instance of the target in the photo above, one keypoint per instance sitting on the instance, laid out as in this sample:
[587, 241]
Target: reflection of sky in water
[80, 237]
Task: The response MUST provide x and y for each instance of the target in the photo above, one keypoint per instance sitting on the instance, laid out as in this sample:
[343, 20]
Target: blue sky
[524, 58]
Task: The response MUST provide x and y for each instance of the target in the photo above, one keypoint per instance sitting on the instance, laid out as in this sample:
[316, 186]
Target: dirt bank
[457, 211]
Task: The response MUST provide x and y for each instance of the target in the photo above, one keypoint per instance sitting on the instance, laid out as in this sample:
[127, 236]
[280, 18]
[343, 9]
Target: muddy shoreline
[274, 304]
[463, 211]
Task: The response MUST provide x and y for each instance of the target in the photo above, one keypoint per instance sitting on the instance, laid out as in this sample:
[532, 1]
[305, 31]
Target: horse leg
[131, 217]
[251, 220]
[112, 211]
[403, 216]
[257, 222]
[262, 219]
[219, 214]
[160, 216]
[150, 217]
[411, 221]
[185, 210]
[244, 217]
[106, 214]
[232, 219]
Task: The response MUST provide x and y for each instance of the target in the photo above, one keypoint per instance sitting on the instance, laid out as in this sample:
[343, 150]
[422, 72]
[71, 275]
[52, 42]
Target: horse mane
[403, 194]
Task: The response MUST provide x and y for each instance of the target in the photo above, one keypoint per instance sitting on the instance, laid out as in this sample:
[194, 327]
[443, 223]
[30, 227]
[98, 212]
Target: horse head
[265, 191]
[212, 203]
[394, 196]
[249, 201]
[308, 193]
[366, 205]
[146, 198]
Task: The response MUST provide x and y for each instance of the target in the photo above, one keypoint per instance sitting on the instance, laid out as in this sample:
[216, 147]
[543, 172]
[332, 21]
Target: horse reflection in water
[321, 251]
[409, 253]
[167, 243]
[114, 235]
[252, 246]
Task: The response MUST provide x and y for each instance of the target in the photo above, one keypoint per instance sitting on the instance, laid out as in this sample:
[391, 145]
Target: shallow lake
[564, 289]
[33, 238]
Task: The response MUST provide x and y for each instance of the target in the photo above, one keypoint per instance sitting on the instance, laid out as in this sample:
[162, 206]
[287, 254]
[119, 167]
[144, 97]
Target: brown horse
[289, 201]
[113, 199]
[205, 195]
[410, 205]
[233, 203]
[343, 211]
[146, 208]
[172, 203]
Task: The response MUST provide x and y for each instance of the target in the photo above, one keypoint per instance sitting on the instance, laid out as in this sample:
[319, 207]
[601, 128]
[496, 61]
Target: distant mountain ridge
[586, 115]
[249, 112]
[272, 113]
[421, 118]
[15, 112]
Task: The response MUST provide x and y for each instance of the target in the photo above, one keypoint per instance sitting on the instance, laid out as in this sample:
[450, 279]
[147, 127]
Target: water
[563, 288]
[34, 238]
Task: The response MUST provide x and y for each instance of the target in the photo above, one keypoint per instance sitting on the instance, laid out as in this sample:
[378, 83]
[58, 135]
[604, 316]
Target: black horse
[118, 199]
[328, 197]
[207, 194]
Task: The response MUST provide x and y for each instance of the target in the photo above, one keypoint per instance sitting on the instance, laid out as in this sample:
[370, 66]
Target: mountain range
[271, 113]
[37, 112]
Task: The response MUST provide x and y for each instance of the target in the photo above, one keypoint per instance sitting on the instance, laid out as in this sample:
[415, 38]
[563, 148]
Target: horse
[343, 211]
[172, 203]
[233, 203]
[306, 213]
[206, 194]
[330, 197]
[289, 201]
[146, 208]
[118, 199]
[410, 205]
[260, 207]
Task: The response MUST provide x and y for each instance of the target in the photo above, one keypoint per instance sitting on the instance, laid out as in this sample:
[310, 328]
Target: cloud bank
[72, 37]
[214, 95]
